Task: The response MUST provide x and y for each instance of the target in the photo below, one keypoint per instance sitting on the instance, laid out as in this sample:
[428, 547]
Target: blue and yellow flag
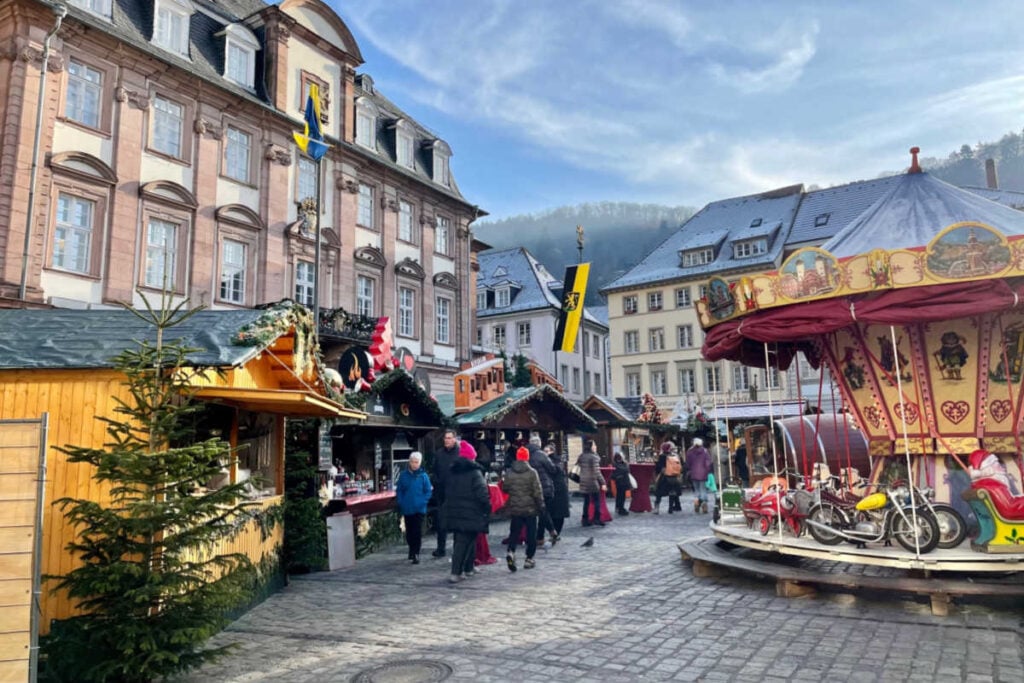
[573, 293]
[312, 140]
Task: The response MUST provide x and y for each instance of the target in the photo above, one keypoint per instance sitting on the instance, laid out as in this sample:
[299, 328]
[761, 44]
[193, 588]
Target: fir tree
[520, 372]
[151, 591]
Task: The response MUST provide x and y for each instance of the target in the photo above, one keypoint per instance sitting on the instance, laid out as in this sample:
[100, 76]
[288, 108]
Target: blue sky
[553, 102]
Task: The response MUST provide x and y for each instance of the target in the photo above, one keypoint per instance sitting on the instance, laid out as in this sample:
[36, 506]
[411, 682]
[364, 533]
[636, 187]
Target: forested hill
[966, 166]
[617, 235]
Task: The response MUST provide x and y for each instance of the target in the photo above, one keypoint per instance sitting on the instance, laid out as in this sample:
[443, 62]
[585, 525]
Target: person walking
[443, 460]
[742, 469]
[525, 503]
[541, 463]
[559, 508]
[592, 484]
[467, 510]
[620, 475]
[412, 493]
[669, 482]
[698, 462]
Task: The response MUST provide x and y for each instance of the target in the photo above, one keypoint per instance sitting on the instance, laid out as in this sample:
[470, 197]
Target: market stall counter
[640, 498]
[362, 504]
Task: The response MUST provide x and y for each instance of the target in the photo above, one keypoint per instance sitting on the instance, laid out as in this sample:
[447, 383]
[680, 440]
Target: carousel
[915, 310]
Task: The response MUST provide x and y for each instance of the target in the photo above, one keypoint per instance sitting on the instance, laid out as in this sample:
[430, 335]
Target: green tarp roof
[494, 410]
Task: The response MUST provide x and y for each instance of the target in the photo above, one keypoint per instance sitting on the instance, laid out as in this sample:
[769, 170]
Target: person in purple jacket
[698, 463]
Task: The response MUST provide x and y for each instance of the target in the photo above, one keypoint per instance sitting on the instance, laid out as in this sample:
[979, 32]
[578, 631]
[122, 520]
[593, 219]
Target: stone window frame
[108, 72]
[85, 176]
[254, 158]
[187, 132]
[240, 224]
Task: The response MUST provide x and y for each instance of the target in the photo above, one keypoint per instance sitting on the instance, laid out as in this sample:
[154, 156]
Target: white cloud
[785, 59]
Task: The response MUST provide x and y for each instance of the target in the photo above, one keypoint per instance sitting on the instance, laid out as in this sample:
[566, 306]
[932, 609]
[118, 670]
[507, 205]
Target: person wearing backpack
[669, 473]
[698, 462]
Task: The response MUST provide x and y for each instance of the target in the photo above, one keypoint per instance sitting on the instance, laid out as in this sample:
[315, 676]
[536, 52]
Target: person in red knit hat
[525, 502]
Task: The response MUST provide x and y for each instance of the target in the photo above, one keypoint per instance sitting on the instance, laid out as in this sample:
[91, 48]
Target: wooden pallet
[711, 559]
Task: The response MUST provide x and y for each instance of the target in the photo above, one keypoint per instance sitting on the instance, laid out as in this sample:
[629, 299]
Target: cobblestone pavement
[625, 609]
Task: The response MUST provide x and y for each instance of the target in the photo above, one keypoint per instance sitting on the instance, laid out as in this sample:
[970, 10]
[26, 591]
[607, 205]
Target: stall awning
[279, 402]
[751, 411]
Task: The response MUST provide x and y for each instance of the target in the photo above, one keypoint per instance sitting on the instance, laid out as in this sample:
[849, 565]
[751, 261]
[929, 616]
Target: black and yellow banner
[573, 292]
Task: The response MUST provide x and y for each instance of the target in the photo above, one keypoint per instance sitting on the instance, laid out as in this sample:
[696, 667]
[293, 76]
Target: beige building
[165, 160]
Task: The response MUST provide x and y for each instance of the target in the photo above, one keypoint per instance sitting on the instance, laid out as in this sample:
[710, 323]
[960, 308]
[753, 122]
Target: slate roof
[916, 209]
[77, 339]
[535, 284]
[768, 214]
[840, 205]
[1010, 198]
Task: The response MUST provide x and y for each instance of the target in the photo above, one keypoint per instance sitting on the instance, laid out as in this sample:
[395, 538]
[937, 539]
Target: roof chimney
[914, 166]
[991, 179]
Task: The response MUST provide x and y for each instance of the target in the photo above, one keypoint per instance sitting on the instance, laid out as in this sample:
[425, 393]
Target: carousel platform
[801, 567]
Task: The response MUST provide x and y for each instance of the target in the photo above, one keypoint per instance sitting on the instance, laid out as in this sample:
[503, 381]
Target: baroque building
[162, 159]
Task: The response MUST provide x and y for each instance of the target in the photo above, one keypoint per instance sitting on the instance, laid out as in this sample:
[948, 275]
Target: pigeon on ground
[588, 543]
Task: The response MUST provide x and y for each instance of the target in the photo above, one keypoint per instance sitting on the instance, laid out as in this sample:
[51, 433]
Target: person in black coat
[620, 475]
[467, 510]
[540, 462]
[559, 507]
[740, 459]
[443, 460]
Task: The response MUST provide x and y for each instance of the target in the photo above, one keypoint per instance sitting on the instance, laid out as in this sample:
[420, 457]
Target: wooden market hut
[617, 424]
[58, 363]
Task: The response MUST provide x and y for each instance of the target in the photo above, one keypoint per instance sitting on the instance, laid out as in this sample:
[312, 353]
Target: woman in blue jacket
[412, 491]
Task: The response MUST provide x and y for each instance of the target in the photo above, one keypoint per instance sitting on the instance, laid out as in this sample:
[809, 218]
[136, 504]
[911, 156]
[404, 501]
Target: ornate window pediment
[166, 191]
[84, 166]
[410, 268]
[240, 215]
[371, 256]
[446, 280]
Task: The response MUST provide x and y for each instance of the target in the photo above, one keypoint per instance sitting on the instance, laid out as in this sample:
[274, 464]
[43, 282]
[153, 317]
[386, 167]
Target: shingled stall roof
[543, 400]
[63, 339]
[400, 383]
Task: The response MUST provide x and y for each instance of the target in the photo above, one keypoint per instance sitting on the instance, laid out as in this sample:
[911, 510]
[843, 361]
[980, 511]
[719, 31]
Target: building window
[749, 248]
[632, 383]
[632, 344]
[598, 389]
[524, 334]
[654, 301]
[687, 381]
[365, 214]
[479, 335]
[171, 23]
[232, 272]
[405, 224]
[586, 343]
[365, 295]
[240, 62]
[404, 148]
[305, 184]
[659, 386]
[305, 279]
[237, 155]
[740, 378]
[168, 120]
[772, 380]
[565, 375]
[702, 291]
[502, 297]
[683, 298]
[443, 315]
[366, 123]
[481, 300]
[656, 339]
[406, 312]
[712, 378]
[698, 257]
[629, 306]
[84, 93]
[596, 346]
[100, 7]
[498, 336]
[161, 254]
[685, 334]
[441, 229]
[576, 380]
[821, 220]
[72, 244]
[442, 174]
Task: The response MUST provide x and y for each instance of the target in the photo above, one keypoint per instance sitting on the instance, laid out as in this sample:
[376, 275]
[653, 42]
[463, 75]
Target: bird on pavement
[588, 543]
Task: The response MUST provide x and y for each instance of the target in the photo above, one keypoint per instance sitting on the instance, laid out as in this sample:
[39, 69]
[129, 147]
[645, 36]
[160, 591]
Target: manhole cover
[421, 671]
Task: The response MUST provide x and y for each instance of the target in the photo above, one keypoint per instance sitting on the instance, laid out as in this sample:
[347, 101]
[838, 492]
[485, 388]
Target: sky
[547, 103]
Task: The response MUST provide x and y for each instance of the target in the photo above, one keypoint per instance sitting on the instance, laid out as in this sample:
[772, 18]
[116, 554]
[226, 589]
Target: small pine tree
[521, 372]
[305, 536]
[151, 593]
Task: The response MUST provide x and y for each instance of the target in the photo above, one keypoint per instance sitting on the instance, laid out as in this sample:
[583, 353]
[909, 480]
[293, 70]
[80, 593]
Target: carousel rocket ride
[916, 311]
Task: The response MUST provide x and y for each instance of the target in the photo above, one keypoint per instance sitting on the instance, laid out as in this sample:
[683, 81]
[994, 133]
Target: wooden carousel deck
[733, 528]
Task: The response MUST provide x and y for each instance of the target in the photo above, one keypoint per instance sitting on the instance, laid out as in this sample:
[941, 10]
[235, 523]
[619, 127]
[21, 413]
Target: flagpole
[583, 316]
[316, 259]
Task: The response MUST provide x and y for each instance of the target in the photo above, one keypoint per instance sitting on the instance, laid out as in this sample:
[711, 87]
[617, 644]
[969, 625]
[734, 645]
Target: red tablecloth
[483, 548]
[643, 472]
[603, 505]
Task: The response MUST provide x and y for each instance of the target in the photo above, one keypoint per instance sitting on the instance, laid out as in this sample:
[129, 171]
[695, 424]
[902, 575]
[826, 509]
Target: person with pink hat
[466, 510]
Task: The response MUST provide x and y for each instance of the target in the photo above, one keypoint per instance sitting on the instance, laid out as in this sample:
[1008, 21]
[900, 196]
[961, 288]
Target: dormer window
[698, 257]
[502, 297]
[240, 47]
[756, 223]
[500, 271]
[748, 248]
[821, 220]
[441, 155]
[171, 25]
[98, 7]
[366, 122]
[481, 300]
[404, 144]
